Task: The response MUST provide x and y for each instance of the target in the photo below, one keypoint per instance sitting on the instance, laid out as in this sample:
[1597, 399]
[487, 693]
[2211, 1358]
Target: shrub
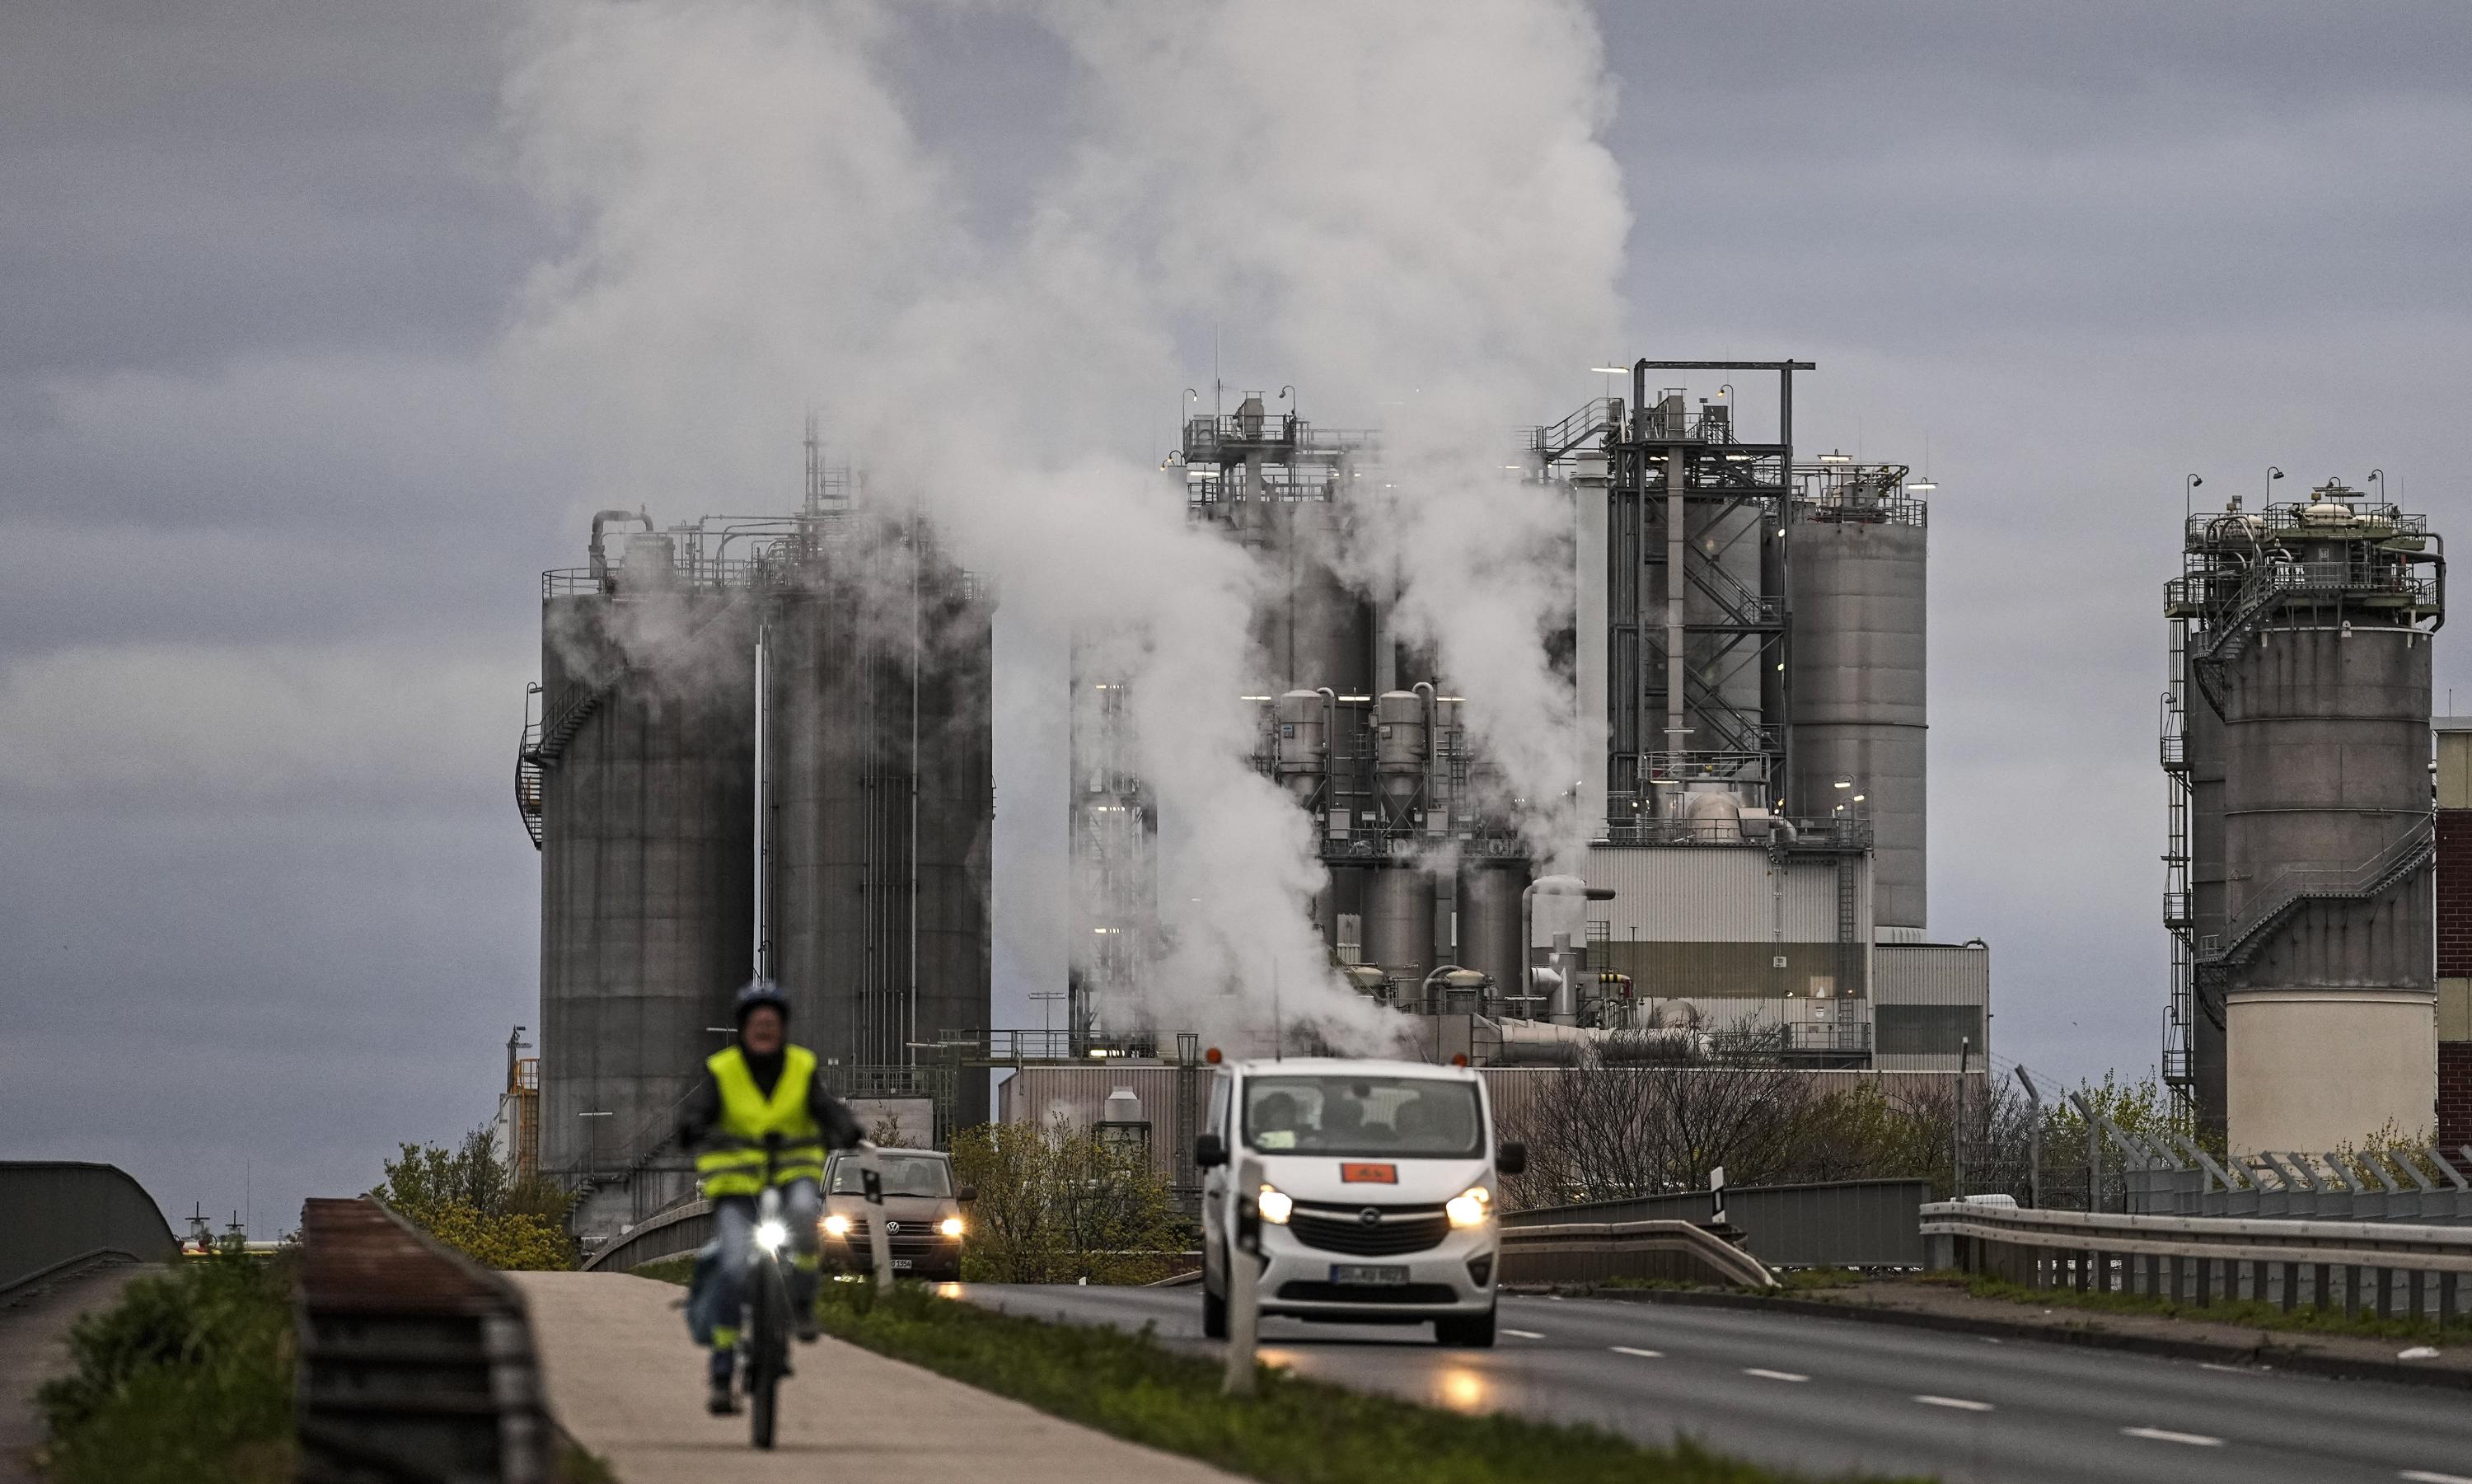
[1058, 1205]
[467, 1199]
[186, 1380]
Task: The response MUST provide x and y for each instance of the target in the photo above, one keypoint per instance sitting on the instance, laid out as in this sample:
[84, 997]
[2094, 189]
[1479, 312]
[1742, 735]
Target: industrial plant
[759, 745]
[1748, 641]
[2296, 738]
[762, 746]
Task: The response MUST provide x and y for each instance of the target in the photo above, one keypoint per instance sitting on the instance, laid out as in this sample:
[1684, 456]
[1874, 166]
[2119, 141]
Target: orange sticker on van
[1369, 1174]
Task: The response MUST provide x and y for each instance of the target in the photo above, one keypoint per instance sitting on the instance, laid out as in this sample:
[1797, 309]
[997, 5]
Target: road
[1830, 1396]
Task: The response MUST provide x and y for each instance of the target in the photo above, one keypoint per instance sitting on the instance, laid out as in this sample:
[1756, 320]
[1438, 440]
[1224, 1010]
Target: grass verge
[187, 1379]
[2247, 1313]
[1295, 1431]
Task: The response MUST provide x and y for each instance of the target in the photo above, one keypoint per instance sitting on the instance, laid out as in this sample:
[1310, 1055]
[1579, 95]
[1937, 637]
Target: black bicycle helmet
[761, 991]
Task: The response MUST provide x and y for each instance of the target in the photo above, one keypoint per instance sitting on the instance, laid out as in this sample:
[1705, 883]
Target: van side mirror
[1209, 1151]
[1511, 1159]
[966, 1194]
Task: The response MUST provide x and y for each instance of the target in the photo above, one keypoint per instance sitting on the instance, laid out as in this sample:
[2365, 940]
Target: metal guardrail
[1591, 1252]
[2355, 1264]
[415, 1363]
[673, 1233]
[57, 1216]
[1850, 1224]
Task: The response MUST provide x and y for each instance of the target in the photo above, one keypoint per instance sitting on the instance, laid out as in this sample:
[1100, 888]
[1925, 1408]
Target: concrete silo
[646, 795]
[2308, 635]
[1857, 659]
[880, 796]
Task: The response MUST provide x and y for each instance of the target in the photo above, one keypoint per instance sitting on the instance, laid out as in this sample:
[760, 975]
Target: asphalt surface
[1829, 1396]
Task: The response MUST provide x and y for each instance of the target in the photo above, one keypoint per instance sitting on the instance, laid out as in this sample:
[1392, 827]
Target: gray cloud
[269, 529]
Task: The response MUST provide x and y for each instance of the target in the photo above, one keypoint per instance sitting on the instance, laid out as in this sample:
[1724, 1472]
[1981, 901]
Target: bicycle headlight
[1470, 1206]
[837, 1225]
[1275, 1206]
[772, 1235]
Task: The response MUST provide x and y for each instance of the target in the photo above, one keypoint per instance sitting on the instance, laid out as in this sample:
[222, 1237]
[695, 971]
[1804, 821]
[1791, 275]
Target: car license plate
[1367, 1273]
[898, 1263]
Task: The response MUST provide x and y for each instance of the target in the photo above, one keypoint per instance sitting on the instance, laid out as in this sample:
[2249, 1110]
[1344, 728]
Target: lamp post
[2271, 475]
[2189, 498]
[2378, 477]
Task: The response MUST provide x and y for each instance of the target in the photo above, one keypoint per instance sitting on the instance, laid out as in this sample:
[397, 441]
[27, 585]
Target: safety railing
[1595, 1251]
[2392, 1270]
[2294, 885]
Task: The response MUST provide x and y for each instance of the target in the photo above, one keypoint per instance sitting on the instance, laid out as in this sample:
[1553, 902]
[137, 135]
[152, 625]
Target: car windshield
[903, 1175]
[1415, 1116]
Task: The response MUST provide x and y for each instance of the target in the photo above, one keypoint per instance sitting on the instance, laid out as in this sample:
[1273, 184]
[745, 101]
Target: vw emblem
[1369, 1216]
[892, 1227]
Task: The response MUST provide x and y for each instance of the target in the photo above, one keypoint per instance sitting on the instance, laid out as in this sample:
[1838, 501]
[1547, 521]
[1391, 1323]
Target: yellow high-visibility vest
[746, 1115]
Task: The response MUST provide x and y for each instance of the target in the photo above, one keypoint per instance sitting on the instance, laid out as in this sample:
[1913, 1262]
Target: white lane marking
[2424, 1477]
[1523, 1334]
[1774, 1375]
[2164, 1435]
[2208, 1365]
[1634, 1349]
[1959, 1403]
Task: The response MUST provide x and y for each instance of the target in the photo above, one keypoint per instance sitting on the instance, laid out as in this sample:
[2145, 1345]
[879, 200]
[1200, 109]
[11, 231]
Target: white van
[1377, 1196]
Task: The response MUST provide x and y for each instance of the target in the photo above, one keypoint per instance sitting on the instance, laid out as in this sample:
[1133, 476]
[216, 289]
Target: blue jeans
[733, 1226]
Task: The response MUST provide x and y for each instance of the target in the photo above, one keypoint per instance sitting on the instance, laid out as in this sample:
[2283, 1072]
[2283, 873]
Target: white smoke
[1407, 204]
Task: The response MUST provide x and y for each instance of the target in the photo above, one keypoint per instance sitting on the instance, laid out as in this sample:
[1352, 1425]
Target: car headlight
[1275, 1206]
[772, 1235]
[950, 1226]
[837, 1225]
[1470, 1206]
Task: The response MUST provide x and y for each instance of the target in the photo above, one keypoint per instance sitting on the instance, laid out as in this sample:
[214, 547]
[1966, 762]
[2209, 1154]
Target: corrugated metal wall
[1928, 995]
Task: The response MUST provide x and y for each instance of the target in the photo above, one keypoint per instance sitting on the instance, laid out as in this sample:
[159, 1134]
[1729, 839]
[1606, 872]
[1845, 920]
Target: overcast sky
[270, 545]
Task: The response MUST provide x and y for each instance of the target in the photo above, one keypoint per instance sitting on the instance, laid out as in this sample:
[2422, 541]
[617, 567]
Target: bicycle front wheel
[767, 1349]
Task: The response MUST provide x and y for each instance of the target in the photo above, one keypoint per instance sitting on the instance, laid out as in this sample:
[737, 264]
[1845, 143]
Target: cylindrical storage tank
[1399, 920]
[647, 865]
[882, 789]
[1399, 747]
[1857, 663]
[1302, 757]
[1715, 815]
[1489, 892]
[2202, 744]
[2331, 1010]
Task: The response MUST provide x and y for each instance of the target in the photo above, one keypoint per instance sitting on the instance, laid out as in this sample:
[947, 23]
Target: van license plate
[1366, 1273]
[898, 1263]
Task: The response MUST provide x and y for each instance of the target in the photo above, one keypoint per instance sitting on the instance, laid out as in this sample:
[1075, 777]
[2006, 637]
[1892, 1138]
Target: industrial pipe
[600, 556]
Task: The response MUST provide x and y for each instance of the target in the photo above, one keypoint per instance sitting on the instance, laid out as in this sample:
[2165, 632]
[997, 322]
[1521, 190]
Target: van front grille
[1393, 1232]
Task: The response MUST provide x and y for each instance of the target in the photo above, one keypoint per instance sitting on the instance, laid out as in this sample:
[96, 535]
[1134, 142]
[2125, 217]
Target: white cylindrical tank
[1399, 745]
[1300, 744]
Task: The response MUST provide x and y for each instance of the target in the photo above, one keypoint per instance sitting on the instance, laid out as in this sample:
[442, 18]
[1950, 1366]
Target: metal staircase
[2298, 886]
[527, 766]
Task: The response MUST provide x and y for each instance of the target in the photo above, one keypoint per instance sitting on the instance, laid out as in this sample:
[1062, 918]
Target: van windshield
[903, 1175]
[1424, 1117]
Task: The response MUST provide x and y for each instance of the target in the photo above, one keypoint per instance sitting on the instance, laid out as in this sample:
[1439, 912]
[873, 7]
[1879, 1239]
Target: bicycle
[764, 1339]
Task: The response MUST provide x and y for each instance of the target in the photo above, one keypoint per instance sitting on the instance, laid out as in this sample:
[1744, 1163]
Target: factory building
[758, 745]
[1749, 640]
[2297, 742]
[2454, 897]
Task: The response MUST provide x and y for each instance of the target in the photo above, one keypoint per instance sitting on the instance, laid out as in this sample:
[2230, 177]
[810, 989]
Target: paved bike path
[626, 1382]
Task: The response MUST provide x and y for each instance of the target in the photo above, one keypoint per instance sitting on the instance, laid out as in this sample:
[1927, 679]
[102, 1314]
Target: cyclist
[762, 1086]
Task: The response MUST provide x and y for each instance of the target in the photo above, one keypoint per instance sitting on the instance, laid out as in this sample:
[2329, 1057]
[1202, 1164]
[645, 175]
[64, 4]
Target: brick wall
[2454, 892]
[2454, 1094]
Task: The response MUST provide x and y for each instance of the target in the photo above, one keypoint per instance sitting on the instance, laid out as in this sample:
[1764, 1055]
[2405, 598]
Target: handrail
[645, 1230]
[2233, 1238]
[2398, 858]
[1727, 1261]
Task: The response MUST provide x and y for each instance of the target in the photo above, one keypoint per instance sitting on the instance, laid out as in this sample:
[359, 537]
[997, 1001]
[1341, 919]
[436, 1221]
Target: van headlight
[1470, 1206]
[950, 1226]
[1275, 1206]
[837, 1225]
[772, 1235]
